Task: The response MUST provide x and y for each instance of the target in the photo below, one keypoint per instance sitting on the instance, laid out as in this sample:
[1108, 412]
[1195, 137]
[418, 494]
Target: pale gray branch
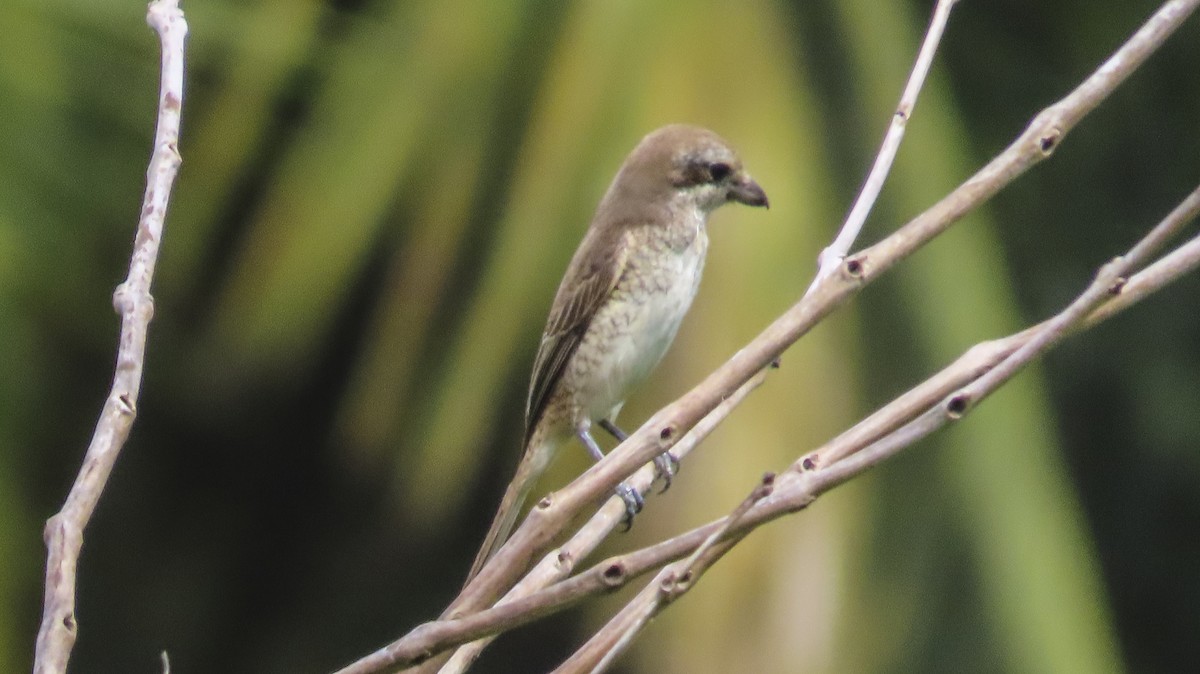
[985, 356]
[132, 300]
[806, 481]
[888, 433]
[658, 434]
[558, 564]
[612, 640]
[1152, 279]
[555, 565]
[796, 488]
[831, 257]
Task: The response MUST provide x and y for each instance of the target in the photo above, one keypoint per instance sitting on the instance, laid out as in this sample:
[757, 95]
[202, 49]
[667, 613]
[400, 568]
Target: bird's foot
[667, 466]
[633, 503]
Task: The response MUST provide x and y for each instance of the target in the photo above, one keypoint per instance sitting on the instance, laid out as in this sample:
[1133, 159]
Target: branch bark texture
[132, 301]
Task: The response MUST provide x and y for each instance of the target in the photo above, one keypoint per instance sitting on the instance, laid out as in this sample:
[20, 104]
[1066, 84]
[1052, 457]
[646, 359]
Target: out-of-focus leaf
[262, 48]
[390, 83]
[374, 418]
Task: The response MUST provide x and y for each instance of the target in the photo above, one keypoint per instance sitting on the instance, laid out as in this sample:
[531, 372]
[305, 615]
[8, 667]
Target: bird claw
[667, 466]
[633, 504]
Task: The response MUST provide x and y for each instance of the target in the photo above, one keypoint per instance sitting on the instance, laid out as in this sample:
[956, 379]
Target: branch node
[666, 587]
[853, 266]
[667, 432]
[614, 575]
[122, 302]
[1048, 141]
[682, 583]
[767, 485]
[957, 405]
[126, 406]
[53, 523]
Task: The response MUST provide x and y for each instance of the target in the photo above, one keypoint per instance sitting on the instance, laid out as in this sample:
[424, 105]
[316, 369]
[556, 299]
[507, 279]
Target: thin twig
[604, 647]
[985, 356]
[604, 577]
[831, 257]
[761, 491]
[983, 367]
[132, 300]
[1152, 279]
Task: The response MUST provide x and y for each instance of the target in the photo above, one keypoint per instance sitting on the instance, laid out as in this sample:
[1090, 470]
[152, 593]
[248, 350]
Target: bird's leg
[633, 500]
[666, 463]
[613, 430]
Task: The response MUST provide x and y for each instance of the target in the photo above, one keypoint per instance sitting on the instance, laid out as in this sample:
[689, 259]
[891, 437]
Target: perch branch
[615, 572]
[1036, 143]
[610, 642]
[554, 566]
[661, 431]
[806, 483]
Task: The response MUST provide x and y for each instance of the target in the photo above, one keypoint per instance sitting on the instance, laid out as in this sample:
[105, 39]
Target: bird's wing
[582, 292]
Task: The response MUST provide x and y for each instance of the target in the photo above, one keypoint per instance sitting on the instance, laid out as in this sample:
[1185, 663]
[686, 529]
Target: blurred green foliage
[376, 203]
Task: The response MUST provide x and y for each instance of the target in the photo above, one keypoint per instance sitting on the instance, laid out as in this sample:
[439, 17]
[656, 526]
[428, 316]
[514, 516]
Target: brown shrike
[621, 301]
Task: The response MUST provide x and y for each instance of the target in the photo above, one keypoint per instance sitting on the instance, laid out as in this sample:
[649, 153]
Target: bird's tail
[533, 464]
[502, 525]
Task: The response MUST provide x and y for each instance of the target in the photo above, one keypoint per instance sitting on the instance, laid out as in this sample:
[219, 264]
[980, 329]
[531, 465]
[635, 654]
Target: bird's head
[689, 166]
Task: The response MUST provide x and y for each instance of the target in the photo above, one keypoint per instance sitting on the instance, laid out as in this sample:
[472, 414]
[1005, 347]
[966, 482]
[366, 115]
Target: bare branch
[612, 640]
[555, 566]
[889, 433]
[807, 482]
[132, 300]
[831, 258]
[791, 495]
[1152, 279]
[659, 433]
[984, 357]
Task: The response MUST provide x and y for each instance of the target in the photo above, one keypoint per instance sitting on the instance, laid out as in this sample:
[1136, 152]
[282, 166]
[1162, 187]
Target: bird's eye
[719, 171]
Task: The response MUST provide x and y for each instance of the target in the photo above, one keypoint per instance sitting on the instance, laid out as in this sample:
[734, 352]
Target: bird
[621, 301]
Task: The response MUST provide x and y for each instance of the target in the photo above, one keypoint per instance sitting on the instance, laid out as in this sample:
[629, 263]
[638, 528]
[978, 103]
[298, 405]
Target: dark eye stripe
[700, 173]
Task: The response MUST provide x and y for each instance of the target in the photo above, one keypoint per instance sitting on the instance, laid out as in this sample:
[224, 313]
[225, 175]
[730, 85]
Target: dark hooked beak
[746, 191]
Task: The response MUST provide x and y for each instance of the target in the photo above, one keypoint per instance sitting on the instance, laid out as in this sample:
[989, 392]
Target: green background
[376, 202]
